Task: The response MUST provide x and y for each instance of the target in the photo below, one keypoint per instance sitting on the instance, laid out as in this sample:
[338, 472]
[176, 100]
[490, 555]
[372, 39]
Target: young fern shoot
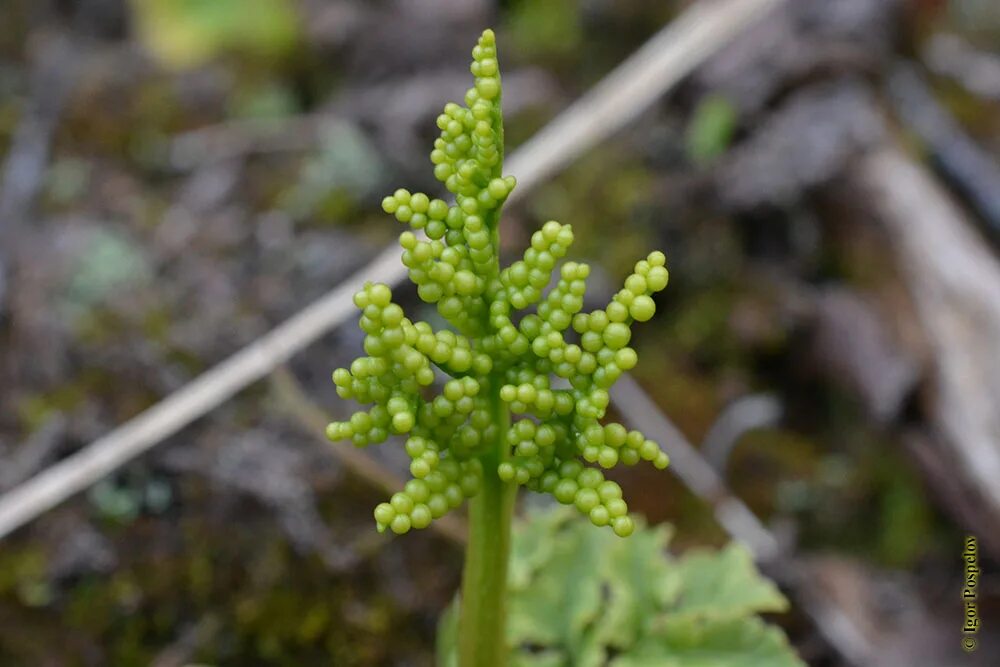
[462, 440]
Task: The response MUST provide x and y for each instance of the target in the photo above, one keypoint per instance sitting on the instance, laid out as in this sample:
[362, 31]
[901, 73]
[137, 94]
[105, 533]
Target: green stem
[482, 624]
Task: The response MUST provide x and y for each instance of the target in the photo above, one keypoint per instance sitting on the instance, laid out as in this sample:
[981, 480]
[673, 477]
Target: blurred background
[177, 177]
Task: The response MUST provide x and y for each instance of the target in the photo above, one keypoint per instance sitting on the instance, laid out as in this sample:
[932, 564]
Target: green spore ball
[498, 359]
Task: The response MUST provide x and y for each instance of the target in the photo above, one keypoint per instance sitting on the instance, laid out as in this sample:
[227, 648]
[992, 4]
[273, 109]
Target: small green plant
[463, 440]
[711, 130]
[580, 598]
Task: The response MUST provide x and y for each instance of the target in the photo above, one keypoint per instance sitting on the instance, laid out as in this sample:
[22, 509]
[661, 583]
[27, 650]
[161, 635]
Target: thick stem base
[482, 624]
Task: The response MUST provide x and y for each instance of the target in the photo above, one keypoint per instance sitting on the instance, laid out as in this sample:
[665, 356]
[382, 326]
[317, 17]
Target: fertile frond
[498, 356]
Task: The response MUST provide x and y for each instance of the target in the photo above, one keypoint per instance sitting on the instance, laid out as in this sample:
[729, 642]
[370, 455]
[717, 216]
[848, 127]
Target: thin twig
[749, 413]
[22, 175]
[969, 168]
[976, 70]
[834, 623]
[632, 87]
[954, 283]
[740, 523]
[627, 91]
[395, 106]
[178, 653]
[688, 464]
[33, 453]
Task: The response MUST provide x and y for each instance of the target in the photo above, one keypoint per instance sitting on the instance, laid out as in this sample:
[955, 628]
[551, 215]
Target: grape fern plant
[579, 597]
[526, 395]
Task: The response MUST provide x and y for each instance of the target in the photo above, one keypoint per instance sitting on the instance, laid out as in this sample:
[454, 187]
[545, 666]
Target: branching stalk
[482, 627]
[463, 441]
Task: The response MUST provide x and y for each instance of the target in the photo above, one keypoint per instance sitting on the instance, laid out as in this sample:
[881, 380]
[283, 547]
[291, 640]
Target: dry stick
[33, 453]
[954, 282]
[833, 622]
[740, 522]
[628, 90]
[688, 464]
[412, 100]
[668, 56]
[836, 626]
[179, 652]
[970, 169]
[750, 412]
[22, 174]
